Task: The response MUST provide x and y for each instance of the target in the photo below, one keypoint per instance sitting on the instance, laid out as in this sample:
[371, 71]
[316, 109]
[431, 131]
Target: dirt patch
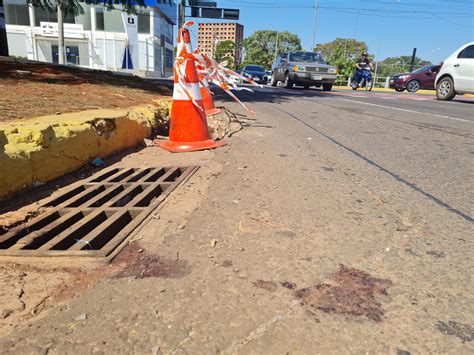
[289, 285]
[54, 89]
[138, 264]
[462, 331]
[351, 292]
[266, 285]
[224, 124]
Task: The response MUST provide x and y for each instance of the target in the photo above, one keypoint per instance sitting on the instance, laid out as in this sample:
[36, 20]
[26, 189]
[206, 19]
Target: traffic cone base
[207, 101]
[213, 111]
[181, 147]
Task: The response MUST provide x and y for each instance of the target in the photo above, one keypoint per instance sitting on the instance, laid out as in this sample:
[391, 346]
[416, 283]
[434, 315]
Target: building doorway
[72, 54]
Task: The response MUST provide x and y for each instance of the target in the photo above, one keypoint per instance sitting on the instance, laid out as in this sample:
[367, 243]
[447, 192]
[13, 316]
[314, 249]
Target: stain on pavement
[350, 291]
[462, 331]
[137, 263]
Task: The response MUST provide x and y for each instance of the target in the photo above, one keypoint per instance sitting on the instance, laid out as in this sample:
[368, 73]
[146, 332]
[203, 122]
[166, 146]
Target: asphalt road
[424, 143]
[333, 222]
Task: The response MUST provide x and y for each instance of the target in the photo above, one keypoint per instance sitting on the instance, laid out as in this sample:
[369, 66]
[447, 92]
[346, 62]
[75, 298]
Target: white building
[98, 39]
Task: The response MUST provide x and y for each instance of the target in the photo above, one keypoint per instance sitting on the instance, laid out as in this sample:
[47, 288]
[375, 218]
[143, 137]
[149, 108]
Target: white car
[456, 75]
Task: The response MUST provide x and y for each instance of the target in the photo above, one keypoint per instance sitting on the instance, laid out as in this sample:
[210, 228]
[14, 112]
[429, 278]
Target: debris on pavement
[97, 162]
[266, 285]
[148, 142]
[81, 317]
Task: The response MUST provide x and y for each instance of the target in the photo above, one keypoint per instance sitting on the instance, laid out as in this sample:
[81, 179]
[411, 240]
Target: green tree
[396, 65]
[342, 53]
[260, 47]
[225, 50]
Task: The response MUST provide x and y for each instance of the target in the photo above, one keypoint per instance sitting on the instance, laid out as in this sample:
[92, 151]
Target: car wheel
[288, 82]
[445, 89]
[273, 81]
[306, 87]
[399, 90]
[327, 87]
[413, 86]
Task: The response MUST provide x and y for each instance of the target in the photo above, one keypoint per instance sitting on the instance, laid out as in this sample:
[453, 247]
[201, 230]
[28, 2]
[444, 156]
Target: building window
[46, 15]
[16, 13]
[113, 21]
[144, 22]
[85, 18]
[169, 58]
[99, 19]
[169, 32]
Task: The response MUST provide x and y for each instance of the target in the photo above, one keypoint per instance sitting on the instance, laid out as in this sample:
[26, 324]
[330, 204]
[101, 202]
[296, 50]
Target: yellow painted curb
[41, 149]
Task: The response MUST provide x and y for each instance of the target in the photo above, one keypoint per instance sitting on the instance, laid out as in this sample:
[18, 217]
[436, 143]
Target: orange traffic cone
[207, 100]
[188, 125]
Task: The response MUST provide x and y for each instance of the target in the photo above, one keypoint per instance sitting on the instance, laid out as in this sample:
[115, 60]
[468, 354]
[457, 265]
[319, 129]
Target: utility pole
[412, 62]
[61, 50]
[182, 14]
[314, 23]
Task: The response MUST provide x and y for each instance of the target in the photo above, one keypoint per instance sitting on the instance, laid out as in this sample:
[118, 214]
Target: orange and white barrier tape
[208, 70]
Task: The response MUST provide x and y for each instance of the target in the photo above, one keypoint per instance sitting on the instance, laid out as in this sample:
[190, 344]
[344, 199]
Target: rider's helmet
[364, 55]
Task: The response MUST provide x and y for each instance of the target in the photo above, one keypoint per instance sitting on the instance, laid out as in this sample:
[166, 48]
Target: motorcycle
[365, 80]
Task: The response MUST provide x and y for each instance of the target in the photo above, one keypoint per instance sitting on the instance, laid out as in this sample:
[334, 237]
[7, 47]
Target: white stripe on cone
[180, 94]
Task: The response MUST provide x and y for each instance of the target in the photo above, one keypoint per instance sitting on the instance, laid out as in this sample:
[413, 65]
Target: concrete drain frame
[95, 216]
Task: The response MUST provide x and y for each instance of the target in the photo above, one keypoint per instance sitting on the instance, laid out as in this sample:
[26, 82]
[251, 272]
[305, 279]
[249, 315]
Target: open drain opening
[94, 217]
[66, 196]
[104, 176]
[124, 200]
[123, 175]
[7, 241]
[174, 175]
[138, 176]
[109, 195]
[109, 232]
[150, 196]
[155, 176]
[86, 197]
[80, 232]
[49, 234]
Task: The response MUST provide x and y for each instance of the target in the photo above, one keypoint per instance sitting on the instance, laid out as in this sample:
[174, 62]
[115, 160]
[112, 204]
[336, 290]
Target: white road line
[411, 111]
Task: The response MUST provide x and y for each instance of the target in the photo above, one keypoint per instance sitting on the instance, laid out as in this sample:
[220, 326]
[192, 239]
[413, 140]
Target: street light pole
[314, 24]
[276, 46]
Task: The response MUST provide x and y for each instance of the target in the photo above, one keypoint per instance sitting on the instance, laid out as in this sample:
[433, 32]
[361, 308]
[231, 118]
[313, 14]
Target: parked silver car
[303, 68]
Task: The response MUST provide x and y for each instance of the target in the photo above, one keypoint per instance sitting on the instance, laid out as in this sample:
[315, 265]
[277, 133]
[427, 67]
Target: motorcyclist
[364, 63]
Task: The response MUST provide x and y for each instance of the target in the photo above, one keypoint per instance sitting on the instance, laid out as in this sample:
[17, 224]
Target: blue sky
[389, 27]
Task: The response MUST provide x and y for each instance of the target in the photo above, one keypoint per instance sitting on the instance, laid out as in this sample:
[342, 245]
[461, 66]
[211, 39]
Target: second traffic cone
[188, 126]
[206, 95]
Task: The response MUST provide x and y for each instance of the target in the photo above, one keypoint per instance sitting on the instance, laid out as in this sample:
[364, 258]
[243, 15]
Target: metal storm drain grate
[95, 216]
